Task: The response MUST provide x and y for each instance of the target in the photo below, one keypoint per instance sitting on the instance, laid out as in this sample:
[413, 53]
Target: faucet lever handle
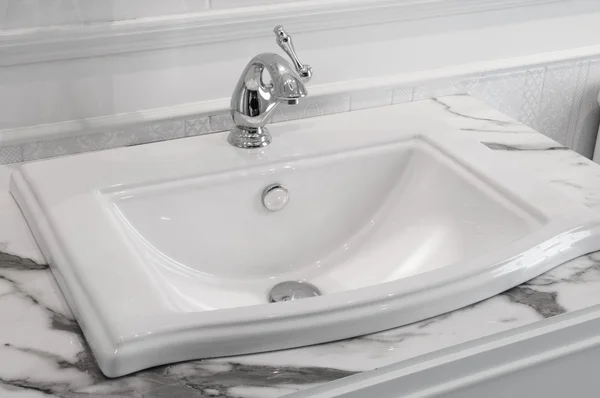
[285, 42]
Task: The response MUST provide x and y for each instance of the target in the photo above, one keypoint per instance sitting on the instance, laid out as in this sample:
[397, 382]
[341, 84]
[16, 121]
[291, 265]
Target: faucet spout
[254, 99]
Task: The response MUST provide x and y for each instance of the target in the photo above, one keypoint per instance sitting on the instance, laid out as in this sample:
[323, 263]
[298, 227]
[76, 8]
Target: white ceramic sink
[166, 253]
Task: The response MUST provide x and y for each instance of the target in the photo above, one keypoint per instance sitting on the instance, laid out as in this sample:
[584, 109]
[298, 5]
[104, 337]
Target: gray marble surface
[43, 353]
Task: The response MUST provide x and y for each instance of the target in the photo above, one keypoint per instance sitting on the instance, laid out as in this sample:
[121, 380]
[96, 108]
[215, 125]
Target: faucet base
[249, 137]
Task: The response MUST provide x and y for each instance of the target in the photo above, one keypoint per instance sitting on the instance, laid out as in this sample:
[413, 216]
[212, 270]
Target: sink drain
[275, 197]
[292, 290]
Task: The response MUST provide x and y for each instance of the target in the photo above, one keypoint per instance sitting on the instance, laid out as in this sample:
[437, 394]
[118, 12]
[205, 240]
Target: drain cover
[292, 290]
[275, 197]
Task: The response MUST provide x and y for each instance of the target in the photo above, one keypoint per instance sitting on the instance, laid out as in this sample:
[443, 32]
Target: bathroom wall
[17, 14]
[557, 99]
[85, 86]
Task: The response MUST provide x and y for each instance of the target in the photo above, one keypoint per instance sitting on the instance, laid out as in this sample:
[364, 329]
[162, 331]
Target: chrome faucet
[254, 100]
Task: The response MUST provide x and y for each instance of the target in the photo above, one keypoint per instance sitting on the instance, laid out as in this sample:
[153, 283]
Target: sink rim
[118, 356]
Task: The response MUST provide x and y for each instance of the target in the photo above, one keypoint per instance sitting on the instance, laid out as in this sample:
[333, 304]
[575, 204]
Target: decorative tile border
[199, 126]
[559, 100]
[11, 154]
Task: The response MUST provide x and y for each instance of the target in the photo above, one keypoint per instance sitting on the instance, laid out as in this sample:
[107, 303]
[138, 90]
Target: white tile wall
[558, 100]
[217, 4]
[371, 98]
[16, 14]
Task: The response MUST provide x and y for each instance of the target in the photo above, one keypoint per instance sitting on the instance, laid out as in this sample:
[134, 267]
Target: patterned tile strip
[531, 97]
[582, 75]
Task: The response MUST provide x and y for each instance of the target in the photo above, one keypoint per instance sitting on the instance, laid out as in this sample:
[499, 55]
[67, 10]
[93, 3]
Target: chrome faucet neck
[254, 100]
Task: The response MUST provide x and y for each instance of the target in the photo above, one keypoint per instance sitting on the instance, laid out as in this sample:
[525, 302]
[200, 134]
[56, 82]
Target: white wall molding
[21, 46]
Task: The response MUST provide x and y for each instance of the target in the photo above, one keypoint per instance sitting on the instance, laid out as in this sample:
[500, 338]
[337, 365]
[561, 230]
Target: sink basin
[166, 253]
[404, 206]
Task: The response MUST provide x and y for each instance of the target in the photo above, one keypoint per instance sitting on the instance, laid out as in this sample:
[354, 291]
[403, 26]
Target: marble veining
[44, 354]
[544, 303]
[503, 147]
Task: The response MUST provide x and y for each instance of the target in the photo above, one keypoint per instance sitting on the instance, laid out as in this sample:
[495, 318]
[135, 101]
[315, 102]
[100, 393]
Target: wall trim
[78, 127]
[22, 46]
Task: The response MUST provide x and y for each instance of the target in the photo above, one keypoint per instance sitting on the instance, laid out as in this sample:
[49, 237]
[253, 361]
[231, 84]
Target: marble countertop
[43, 353]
